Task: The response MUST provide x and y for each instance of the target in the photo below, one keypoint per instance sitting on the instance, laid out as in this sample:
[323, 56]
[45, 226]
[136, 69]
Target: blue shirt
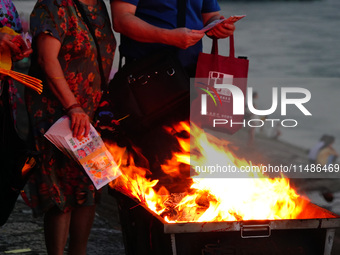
[163, 13]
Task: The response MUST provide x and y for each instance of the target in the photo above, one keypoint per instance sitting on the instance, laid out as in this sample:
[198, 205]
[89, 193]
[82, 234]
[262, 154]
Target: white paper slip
[231, 20]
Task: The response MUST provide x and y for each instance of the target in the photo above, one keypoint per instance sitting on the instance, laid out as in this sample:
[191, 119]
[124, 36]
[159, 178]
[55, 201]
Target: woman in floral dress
[9, 23]
[66, 60]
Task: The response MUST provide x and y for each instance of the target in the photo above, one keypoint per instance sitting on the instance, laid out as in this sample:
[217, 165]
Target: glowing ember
[208, 199]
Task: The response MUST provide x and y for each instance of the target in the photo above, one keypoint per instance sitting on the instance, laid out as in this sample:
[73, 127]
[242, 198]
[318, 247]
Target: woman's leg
[56, 228]
[80, 227]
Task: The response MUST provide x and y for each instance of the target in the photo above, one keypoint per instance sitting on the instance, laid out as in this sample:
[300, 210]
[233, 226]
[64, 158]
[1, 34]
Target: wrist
[165, 36]
[76, 105]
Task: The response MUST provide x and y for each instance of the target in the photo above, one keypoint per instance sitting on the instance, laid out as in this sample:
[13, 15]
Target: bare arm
[48, 49]
[125, 22]
[333, 151]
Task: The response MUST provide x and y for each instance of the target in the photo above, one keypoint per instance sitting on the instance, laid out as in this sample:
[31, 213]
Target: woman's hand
[22, 55]
[7, 44]
[25, 50]
[80, 122]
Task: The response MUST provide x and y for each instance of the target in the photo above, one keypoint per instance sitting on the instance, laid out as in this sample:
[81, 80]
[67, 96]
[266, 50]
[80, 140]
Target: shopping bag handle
[214, 48]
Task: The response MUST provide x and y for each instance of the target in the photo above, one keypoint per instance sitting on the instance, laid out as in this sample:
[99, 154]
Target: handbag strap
[181, 12]
[99, 57]
[214, 48]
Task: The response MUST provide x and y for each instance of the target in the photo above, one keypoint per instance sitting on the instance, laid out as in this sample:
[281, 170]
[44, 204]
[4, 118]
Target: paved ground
[23, 234]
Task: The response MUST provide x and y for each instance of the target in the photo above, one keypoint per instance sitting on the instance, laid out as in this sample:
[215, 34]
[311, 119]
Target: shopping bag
[212, 70]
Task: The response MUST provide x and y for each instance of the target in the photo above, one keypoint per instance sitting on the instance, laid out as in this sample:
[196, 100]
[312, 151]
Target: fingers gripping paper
[90, 152]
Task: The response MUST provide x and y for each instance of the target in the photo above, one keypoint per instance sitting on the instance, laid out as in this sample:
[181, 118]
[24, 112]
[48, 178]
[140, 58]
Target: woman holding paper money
[66, 60]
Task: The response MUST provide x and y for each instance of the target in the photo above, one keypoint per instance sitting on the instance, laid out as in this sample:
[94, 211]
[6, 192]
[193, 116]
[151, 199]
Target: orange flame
[208, 199]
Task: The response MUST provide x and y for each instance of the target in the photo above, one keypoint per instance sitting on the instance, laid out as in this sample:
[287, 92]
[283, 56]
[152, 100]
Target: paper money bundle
[90, 152]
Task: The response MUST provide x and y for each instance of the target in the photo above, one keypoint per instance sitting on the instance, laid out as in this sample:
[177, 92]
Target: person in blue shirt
[148, 25]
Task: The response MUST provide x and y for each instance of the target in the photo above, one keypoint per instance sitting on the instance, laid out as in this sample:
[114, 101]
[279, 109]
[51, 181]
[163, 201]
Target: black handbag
[144, 91]
[147, 90]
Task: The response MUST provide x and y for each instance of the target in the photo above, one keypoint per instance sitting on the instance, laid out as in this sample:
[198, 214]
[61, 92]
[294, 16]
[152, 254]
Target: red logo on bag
[218, 99]
[232, 90]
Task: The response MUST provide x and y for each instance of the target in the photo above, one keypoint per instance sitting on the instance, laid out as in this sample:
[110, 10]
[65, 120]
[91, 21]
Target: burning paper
[90, 152]
[207, 199]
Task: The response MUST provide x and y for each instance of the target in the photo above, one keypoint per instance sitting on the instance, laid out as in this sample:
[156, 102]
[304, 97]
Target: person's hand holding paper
[223, 27]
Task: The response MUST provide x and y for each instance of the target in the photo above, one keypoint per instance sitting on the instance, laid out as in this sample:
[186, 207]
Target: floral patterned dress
[61, 181]
[9, 16]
